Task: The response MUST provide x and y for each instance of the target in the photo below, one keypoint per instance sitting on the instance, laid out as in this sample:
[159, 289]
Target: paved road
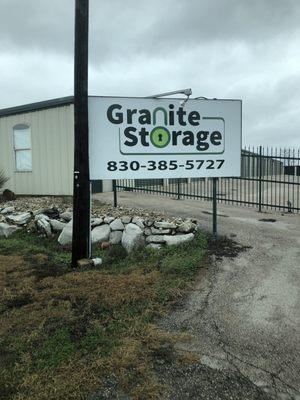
[244, 314]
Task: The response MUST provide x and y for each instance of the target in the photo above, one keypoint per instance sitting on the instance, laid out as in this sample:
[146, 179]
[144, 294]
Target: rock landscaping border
[127, 227]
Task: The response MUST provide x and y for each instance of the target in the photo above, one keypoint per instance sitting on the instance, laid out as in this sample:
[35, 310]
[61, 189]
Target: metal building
[37, 148]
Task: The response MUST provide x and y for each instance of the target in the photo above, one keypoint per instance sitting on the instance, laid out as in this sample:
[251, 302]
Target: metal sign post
[81, 192]
[114, 184]
[215, 180]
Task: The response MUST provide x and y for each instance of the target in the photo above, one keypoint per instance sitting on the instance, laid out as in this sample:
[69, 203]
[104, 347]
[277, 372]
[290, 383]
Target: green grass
[97, 337]
[55, 349]
[23, 243]
[59, 327]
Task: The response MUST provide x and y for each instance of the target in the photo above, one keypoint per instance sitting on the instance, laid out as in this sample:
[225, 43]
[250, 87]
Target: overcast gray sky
[242, 49]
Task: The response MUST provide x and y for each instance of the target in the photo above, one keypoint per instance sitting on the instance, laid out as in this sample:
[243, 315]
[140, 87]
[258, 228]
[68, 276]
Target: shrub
[3, 179]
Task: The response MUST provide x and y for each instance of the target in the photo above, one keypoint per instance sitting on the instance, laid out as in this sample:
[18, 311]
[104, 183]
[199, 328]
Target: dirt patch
[225, 247]
[43, 267]
[267, 220]
[18, 301]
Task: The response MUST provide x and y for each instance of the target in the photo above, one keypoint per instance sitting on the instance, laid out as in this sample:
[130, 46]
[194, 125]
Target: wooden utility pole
[81, 192]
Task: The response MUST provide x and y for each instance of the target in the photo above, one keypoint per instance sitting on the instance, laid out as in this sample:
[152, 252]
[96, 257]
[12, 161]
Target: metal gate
[270, 179]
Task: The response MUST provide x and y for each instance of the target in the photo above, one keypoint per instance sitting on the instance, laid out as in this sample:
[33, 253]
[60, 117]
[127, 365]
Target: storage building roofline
[41, 105]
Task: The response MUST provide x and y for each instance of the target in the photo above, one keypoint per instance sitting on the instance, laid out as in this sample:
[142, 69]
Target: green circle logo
[160, 137]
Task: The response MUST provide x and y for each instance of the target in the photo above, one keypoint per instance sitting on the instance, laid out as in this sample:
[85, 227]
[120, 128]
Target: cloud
[221, 48]
[37, 25]
[32, 77]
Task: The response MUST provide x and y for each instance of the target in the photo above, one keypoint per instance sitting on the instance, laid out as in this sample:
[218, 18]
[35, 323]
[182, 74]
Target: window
[22, 147]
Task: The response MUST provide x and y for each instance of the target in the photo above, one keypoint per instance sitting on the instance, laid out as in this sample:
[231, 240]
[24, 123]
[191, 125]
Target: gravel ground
[63, 203]
[244, 312]
[201, 382]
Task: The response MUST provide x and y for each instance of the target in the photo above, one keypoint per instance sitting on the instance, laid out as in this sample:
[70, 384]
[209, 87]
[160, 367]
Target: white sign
[142, 138]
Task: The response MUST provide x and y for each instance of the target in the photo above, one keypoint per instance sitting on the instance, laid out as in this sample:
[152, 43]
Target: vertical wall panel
[52, 151]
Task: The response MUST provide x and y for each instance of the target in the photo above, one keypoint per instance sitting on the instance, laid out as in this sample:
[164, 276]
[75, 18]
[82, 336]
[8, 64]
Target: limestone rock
[138, 221]
[100, 234]
[155, 239]
[38, 211]
[186, 227]
[149, 222]
[178, 239]
[155, 246]
[19, 219]
[8, 210]
[65, 238]
[44, 226]
[117, 225]
[97, 262]
[147, 231]
[56, 225]
[109, 220]
[126, 219]
[41, 216]
[96, 222]
[66, 216]
[7, 230]
[115, 237]
[132, 238]
[156, 231]
[165, 225]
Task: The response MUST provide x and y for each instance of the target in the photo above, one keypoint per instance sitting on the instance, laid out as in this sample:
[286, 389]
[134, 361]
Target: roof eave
[41, 105]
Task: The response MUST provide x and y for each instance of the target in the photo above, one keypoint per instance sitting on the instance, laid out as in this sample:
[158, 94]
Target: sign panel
[142, 138]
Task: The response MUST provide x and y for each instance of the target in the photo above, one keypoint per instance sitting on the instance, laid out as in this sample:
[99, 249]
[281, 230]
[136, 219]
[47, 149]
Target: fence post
[115, 193]
[178, 189]
[215, 180]
[260, 179]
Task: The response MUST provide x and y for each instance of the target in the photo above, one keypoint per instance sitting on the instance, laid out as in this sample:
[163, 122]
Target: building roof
[41, 105]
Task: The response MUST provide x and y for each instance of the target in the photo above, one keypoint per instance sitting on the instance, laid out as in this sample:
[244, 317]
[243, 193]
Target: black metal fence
[270, 179]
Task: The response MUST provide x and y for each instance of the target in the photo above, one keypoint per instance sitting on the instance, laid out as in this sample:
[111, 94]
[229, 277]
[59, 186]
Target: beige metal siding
[52, 143]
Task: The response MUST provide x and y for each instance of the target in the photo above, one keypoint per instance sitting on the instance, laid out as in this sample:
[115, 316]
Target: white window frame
[16, 150]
